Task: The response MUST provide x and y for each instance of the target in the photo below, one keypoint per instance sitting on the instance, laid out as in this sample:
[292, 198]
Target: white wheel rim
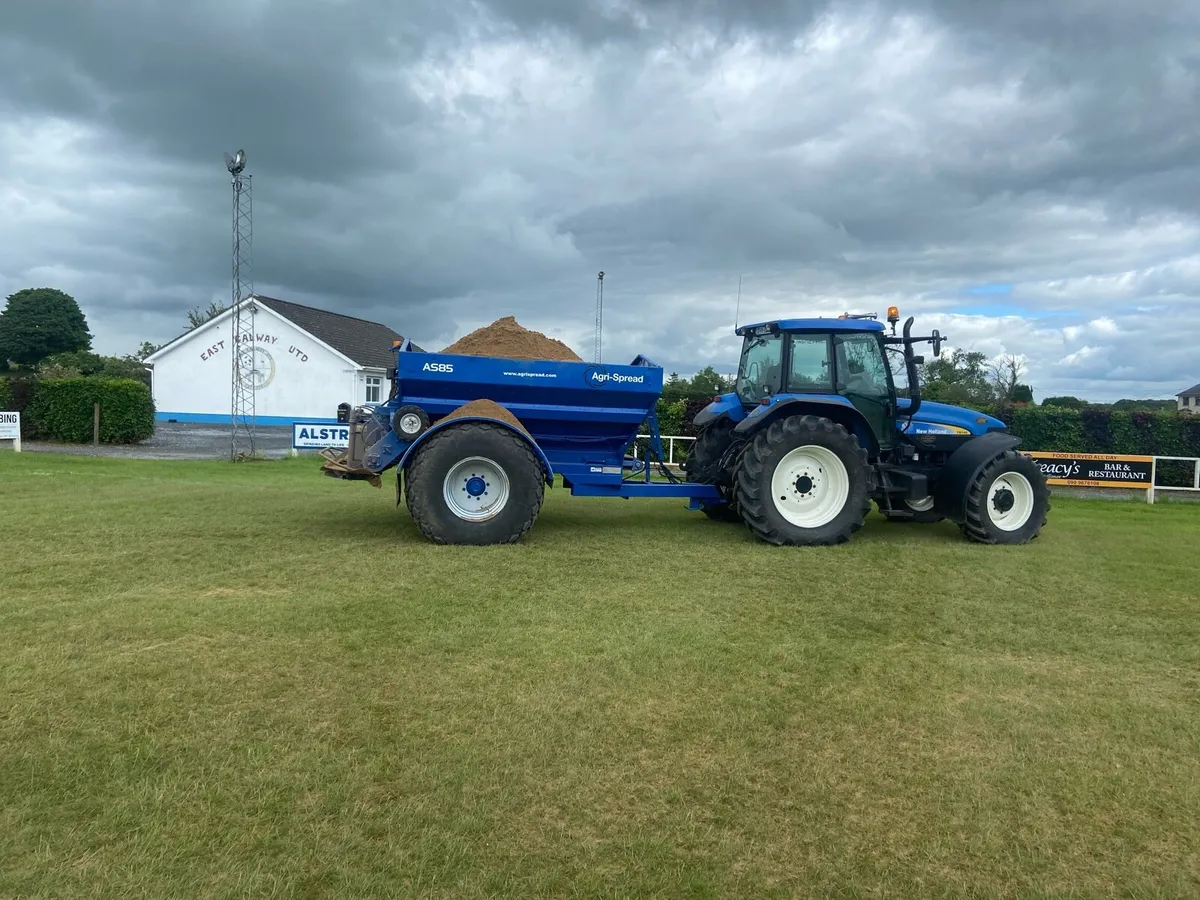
[923, 505]
[810, 486]
[475, 489]
[1010, 501]
[410, 424]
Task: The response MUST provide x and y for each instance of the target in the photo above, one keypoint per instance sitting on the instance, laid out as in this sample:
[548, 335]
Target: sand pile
[507, 339]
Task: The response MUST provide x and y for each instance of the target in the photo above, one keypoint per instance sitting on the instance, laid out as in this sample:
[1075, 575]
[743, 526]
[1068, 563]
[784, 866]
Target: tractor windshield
[761, 367]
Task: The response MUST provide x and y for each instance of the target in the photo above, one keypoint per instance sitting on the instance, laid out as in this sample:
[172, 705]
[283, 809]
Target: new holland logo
[596, 377]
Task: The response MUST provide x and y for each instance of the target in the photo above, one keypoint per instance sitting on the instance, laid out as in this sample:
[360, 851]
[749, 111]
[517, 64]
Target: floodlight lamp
[235, 163]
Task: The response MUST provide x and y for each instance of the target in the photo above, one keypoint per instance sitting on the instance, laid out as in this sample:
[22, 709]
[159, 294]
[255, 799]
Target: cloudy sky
[1023, 175]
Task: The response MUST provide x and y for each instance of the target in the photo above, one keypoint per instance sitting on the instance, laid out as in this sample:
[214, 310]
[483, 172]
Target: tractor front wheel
[1008, 502]
[804, 481]
[474, 483]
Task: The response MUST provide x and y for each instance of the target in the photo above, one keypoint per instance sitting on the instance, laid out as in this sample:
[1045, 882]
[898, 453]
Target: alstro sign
[10, 428]
[1095, 469]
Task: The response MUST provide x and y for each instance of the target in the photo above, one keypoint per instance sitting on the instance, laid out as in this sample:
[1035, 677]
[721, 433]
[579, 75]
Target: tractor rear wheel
[703, 466]
[804, 481]
[474, 483]
[1008, 502]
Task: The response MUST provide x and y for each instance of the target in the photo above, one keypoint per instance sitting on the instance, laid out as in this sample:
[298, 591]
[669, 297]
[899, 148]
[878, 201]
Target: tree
[197, 316]
[1021, 393]
[84, 364]
[960, 378]
[707, 382]
[145, 350]
[1066, 402]
[38, 322]
[1006, 374]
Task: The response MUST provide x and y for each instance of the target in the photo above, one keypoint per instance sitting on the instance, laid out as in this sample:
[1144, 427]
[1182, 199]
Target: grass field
[254, 681]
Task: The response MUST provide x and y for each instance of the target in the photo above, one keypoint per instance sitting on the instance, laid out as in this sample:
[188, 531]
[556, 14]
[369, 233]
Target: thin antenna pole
[738, 310]
[599, 313]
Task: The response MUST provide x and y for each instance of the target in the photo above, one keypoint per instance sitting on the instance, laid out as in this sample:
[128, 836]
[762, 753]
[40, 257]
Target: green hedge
[5, 394]
[1100, 430]
[62, 410]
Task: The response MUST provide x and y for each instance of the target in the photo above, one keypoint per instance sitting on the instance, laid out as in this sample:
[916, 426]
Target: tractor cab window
[761, 367]
[810, 364]
[861, 369]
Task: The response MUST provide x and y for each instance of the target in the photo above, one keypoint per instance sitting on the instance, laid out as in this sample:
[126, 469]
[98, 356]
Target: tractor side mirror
[937, 342]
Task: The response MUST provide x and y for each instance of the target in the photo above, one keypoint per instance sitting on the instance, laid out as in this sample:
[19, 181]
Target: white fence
[1195, 488]
[669, 441]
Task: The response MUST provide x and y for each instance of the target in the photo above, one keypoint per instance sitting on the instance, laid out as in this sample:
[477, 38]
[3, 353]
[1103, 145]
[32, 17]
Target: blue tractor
[812, 433]
[815, 430]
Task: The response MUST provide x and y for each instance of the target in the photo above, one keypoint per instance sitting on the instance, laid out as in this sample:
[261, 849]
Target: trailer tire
[475, 483]
[1008, 502]
[830, 496]
[703, 466]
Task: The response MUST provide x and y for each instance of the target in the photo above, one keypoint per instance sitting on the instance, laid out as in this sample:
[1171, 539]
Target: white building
[307, 361]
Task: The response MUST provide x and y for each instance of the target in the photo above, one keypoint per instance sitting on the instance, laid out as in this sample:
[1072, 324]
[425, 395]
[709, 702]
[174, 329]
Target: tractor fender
[727, 406]
[838, 410]
[547, 469]
[950, 491]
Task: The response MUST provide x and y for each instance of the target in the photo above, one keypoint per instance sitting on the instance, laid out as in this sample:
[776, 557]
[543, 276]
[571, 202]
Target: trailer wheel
[1008, 502]
[703, 466]
[474, 483]
[804, 481]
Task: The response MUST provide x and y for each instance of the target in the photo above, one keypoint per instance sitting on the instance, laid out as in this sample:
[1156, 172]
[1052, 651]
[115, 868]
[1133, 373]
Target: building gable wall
[298, 376]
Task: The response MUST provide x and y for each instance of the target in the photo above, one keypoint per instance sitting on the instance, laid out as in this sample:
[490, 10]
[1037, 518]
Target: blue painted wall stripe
[219, 419]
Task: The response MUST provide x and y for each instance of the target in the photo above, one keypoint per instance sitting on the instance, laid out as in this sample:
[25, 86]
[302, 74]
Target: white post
[670, 451]
[1153, 476]
[1196, 475]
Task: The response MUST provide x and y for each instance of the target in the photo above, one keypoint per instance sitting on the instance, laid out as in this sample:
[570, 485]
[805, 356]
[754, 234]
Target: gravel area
[178, 440]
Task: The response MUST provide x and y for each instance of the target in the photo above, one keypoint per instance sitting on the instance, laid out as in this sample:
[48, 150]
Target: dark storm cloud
[440, 164]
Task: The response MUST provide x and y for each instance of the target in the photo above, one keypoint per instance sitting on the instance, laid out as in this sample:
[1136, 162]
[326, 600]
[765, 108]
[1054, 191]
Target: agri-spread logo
[596, 377]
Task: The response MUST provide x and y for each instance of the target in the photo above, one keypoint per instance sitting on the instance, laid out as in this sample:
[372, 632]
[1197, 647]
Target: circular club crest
[594, 376]
[262, 371]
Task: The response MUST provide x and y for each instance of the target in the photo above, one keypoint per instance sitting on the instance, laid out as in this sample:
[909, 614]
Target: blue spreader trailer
[472, 473]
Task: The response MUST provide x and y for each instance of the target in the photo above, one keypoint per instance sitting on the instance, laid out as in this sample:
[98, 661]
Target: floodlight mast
[242, 412]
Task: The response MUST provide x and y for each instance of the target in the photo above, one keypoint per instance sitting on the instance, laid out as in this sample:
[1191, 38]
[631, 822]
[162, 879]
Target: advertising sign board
[10, 428]
[319, 436]
[1095, 469]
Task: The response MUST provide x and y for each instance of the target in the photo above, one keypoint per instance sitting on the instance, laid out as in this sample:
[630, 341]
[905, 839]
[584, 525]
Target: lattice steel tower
[243, 357]
[599, 313]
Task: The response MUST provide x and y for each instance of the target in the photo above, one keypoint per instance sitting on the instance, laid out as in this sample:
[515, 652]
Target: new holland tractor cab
[815, 431]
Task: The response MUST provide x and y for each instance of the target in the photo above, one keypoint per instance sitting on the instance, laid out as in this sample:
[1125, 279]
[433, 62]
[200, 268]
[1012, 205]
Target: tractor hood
[953, 419]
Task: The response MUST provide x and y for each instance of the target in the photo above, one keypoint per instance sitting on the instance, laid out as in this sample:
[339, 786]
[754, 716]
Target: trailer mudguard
[727, 406]
[547, 469]
[831, 406]
[950, 492]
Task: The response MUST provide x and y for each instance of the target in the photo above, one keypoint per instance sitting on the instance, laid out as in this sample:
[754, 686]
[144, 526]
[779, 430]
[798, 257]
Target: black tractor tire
[985, 510]
[917, 517]
[703, 466]
[505, 454]
[759, 506]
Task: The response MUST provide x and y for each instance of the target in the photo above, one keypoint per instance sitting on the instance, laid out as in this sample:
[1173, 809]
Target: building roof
[367, 343]
[1193, 391]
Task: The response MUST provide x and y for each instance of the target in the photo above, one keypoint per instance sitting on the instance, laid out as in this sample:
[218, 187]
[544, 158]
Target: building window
[374, 388]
